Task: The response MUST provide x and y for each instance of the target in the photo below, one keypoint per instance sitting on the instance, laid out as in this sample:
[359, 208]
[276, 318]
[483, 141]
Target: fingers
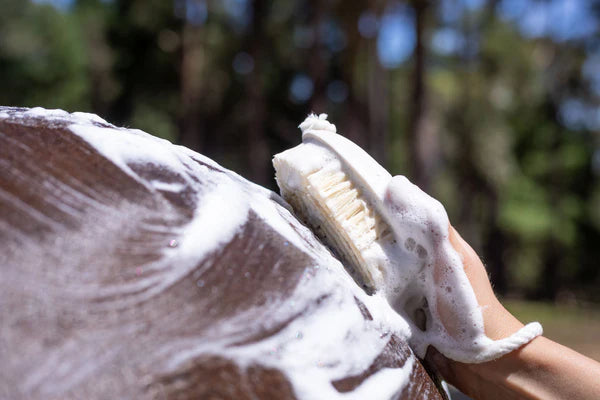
[474, 269]
[439, 363]
[498, 322]
[461, 376]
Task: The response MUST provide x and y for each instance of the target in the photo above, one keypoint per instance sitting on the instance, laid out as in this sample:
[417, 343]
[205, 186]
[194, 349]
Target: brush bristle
[346, 205]
[341, 216]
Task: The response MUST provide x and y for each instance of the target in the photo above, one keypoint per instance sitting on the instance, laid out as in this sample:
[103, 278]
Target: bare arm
[542, 369]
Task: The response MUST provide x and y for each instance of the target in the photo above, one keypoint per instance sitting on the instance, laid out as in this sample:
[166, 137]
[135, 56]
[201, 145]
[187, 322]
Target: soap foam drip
[423, 274]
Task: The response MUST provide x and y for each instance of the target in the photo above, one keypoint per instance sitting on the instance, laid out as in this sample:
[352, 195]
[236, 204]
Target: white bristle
[349, 211]
[337, 207]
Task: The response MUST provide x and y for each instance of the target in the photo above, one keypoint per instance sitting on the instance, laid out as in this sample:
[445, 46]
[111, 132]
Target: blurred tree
[422, 135]
[490, 106]
[42, 57]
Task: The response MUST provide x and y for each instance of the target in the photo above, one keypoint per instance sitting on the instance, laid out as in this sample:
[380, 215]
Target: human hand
[539, 369]
[498, 322]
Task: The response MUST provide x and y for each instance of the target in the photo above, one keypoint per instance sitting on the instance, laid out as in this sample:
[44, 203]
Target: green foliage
[155, 121]
[525, 210]
[42, 59]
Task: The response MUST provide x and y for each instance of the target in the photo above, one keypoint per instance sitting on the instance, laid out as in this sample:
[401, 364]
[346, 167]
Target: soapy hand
[539, 369]
[498, 322]
[427, 282]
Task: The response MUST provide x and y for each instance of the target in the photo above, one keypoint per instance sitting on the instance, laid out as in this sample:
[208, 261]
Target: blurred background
[490, 106]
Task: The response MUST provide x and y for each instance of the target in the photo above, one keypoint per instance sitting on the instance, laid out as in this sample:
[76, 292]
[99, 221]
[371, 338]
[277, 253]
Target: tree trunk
[192, 70]
[494, 246]
[258, 155]
[422, 139]
[378, 90]
[317, 68]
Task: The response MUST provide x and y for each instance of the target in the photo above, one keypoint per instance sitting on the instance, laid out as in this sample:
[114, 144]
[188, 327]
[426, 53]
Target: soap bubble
[421, 252]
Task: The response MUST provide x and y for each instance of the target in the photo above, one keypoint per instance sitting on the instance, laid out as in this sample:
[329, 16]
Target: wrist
[499, 323]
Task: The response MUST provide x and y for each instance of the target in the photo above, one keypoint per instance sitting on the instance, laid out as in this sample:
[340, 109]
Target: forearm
[541, 369]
